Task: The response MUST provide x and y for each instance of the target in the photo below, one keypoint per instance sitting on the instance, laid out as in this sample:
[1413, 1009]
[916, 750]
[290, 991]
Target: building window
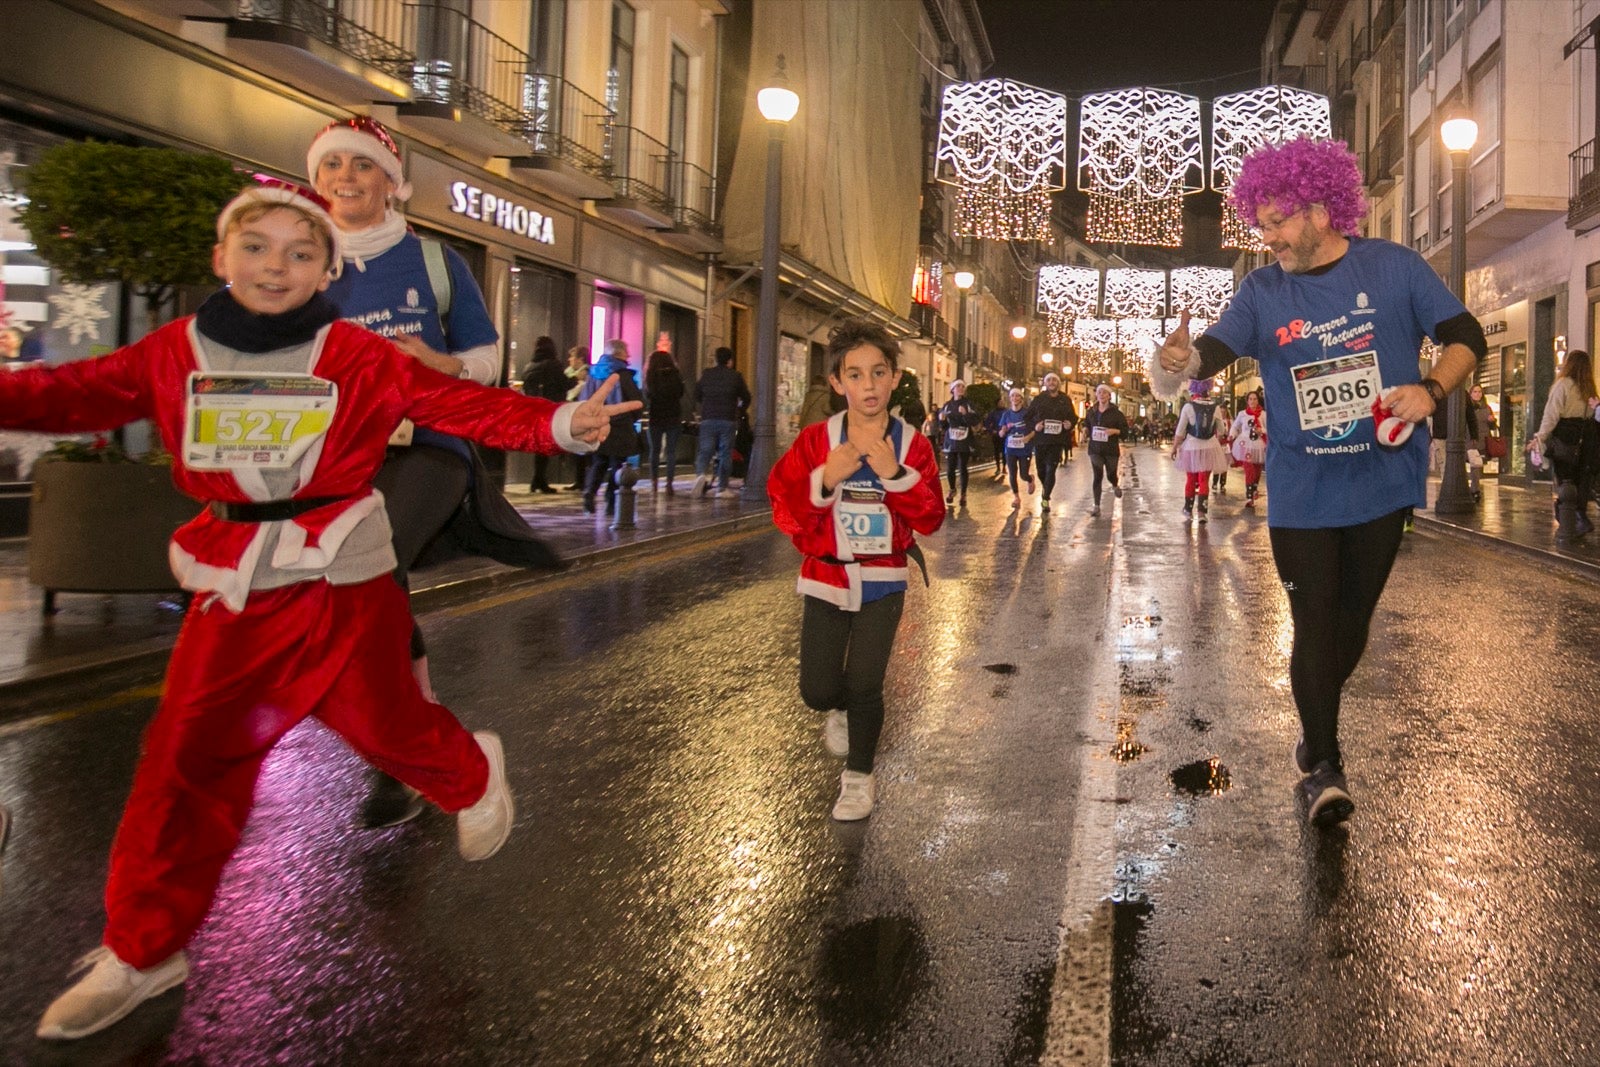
[1422, 33]
[1421, 187]
[1484, 188]
[547, 36]
[678, 120]
[1455, 17]
[619, 79]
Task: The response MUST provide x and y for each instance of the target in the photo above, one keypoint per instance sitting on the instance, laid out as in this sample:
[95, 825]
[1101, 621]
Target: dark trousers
[422, 487]
[843, 658]
[1049, 458]
[541, 471]
[955, 463]
[998, 443]
[1334, 578]
[1103, 464]
[665, 438]
[1017, 465]
[603, 469]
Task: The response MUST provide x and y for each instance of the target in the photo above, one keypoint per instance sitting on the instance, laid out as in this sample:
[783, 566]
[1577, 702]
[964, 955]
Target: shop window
[616, 314]
[541, 306]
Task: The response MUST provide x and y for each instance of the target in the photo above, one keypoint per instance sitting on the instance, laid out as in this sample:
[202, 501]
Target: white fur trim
[818, 500]
[838, 596]
[230, 584]
[899, 485]
[274, 194]
[292, 553]
[561, 429]
[1173, 386]
[349, 139]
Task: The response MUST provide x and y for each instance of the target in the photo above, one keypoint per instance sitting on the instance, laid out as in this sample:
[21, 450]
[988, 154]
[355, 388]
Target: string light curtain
[1241, 123]
[1203, 291]
[1093, 339]
[1138, 157]
[1066, 294]
[1135, 293]
[1004, 146]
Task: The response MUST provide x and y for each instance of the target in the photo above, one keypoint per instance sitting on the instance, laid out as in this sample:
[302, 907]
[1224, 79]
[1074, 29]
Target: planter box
[103, 527]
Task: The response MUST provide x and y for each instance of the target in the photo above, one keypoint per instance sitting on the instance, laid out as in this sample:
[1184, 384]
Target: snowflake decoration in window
[1138, 156]
[1066, 294]
[1203, 291]
[1241, 123]
[79, 311]
[1135, 293]
[1004, 145]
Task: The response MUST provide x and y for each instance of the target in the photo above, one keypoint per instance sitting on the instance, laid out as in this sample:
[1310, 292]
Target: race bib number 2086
[1337, 390]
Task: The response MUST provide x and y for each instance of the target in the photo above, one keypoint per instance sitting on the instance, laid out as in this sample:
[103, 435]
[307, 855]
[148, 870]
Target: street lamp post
[1019, 334]
[963, 280]
[1459, 134]
[778, 104]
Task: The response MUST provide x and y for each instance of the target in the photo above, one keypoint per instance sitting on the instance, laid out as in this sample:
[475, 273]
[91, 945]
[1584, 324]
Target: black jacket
[721, 393]
[1056, 408]
[664, 391]
[1111, 418]
[545, 378]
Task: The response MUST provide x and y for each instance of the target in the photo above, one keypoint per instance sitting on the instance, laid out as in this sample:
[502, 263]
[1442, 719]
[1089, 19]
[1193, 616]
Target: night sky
[1204, 48]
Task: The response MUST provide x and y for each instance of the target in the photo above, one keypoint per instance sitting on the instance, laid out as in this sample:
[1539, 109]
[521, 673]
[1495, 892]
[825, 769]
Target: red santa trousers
[235, 686]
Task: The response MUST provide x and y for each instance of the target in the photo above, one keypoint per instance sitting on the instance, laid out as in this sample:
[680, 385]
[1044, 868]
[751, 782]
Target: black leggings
[957, 462]
[1017, 465]
[1103, 463]
[843, 658]
[1049, 458]
[1334, 578]
[998, 443]
[422, 487]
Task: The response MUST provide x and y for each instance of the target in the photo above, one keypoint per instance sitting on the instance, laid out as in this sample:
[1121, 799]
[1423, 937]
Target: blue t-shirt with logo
[865, 481]
[393, 296]
[1013, 422]
[1325, 343]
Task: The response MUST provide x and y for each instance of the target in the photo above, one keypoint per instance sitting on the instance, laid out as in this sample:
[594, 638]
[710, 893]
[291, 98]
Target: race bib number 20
[263, 421]
[1338, 390]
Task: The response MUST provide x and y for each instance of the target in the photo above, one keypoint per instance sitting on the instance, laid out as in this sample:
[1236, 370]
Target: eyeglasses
[1275, 225]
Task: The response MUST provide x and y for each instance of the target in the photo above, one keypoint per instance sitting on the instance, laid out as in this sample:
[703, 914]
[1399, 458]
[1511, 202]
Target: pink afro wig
[1297, 174]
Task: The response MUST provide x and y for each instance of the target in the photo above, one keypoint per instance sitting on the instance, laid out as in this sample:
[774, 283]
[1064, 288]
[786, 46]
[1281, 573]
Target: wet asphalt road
[676, 894]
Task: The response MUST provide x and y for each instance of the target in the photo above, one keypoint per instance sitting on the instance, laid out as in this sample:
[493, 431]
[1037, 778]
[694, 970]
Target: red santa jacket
[830, 571]
[378, 386]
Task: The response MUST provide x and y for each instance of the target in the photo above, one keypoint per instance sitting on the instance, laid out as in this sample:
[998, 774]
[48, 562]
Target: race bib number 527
[262, 421]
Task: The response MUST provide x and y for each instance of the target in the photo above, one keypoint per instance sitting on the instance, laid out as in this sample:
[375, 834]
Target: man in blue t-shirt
[1335, 324]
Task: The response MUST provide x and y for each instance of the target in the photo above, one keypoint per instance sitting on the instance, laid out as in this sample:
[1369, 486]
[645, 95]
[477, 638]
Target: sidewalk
[1517, 520]
[128, 631]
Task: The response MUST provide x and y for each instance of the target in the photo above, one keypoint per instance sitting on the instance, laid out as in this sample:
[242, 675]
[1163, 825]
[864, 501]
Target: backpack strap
[438, 279]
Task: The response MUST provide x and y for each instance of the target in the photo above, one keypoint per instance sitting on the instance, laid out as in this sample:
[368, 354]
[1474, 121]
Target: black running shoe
[1327, 796]
[390, 802]
[1301, 762]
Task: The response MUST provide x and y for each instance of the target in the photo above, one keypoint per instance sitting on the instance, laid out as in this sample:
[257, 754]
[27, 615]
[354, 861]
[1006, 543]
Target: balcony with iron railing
[355, 53]
[466, 82]
[694, 205]
[1583, 205]
[641, 172]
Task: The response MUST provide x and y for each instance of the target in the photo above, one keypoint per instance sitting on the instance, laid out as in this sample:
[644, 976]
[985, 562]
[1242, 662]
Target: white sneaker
[701, 484]
[484, 827]
[110, 991]
[836, 734]
[856, 794]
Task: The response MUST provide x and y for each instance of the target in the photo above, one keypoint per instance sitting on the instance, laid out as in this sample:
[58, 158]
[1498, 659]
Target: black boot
[1188, 507]
[1203, 510]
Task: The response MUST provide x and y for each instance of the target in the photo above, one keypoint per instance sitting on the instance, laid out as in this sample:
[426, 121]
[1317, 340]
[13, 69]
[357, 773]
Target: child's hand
[591, 420]
[881, 456]
[841, 463]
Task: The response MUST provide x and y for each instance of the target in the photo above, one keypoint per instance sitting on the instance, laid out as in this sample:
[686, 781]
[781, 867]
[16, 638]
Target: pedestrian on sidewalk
[723, 397]
[1567, 436]
[1103, 427]
[1053, 420]
[1335, 325]
[296, 612]
[957, 418]
[1012, 427]
[1196, 450]
[852, 493]
[997, 442]
[577, 372]
[1480, 425]
[1249, 438]
[544, 378]
[663, 390]
[419, 293]
[613, 375]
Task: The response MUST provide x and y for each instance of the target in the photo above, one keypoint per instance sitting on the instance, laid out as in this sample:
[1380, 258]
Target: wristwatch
[1435, 392]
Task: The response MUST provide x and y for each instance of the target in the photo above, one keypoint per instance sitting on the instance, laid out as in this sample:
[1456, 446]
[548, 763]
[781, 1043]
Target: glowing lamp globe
[1045, 357]
[1116, 379]
[1019, 332]
[1459, 133]
[778, 103]
[964, 279]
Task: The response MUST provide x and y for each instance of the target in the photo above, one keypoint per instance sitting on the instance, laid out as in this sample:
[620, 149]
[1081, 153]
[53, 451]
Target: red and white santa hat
[267, 190]
[361, 136]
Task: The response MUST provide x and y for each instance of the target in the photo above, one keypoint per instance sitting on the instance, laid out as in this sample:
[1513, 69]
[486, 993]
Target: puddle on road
[1001, 668]
[1198, 725]
[1207, 777]
[1127, 748]
[871, 972]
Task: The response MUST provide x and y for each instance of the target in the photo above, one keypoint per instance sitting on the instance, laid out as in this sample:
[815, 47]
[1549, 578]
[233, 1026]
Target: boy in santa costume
[852, 493]
[276, 414]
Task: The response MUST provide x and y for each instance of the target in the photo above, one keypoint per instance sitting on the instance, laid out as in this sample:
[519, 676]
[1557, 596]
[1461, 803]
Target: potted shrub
[99, 521]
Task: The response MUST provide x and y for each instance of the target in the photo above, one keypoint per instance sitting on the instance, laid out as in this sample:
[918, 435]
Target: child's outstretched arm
[79, 397]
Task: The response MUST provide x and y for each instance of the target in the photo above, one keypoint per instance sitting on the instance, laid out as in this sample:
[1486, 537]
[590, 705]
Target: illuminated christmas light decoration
[1094, 339]
[1242, 122]
[1202, 291]
[1135, 293]
[1138, 340]
[1138, 156]
[1067, 293]
[1004, 145]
